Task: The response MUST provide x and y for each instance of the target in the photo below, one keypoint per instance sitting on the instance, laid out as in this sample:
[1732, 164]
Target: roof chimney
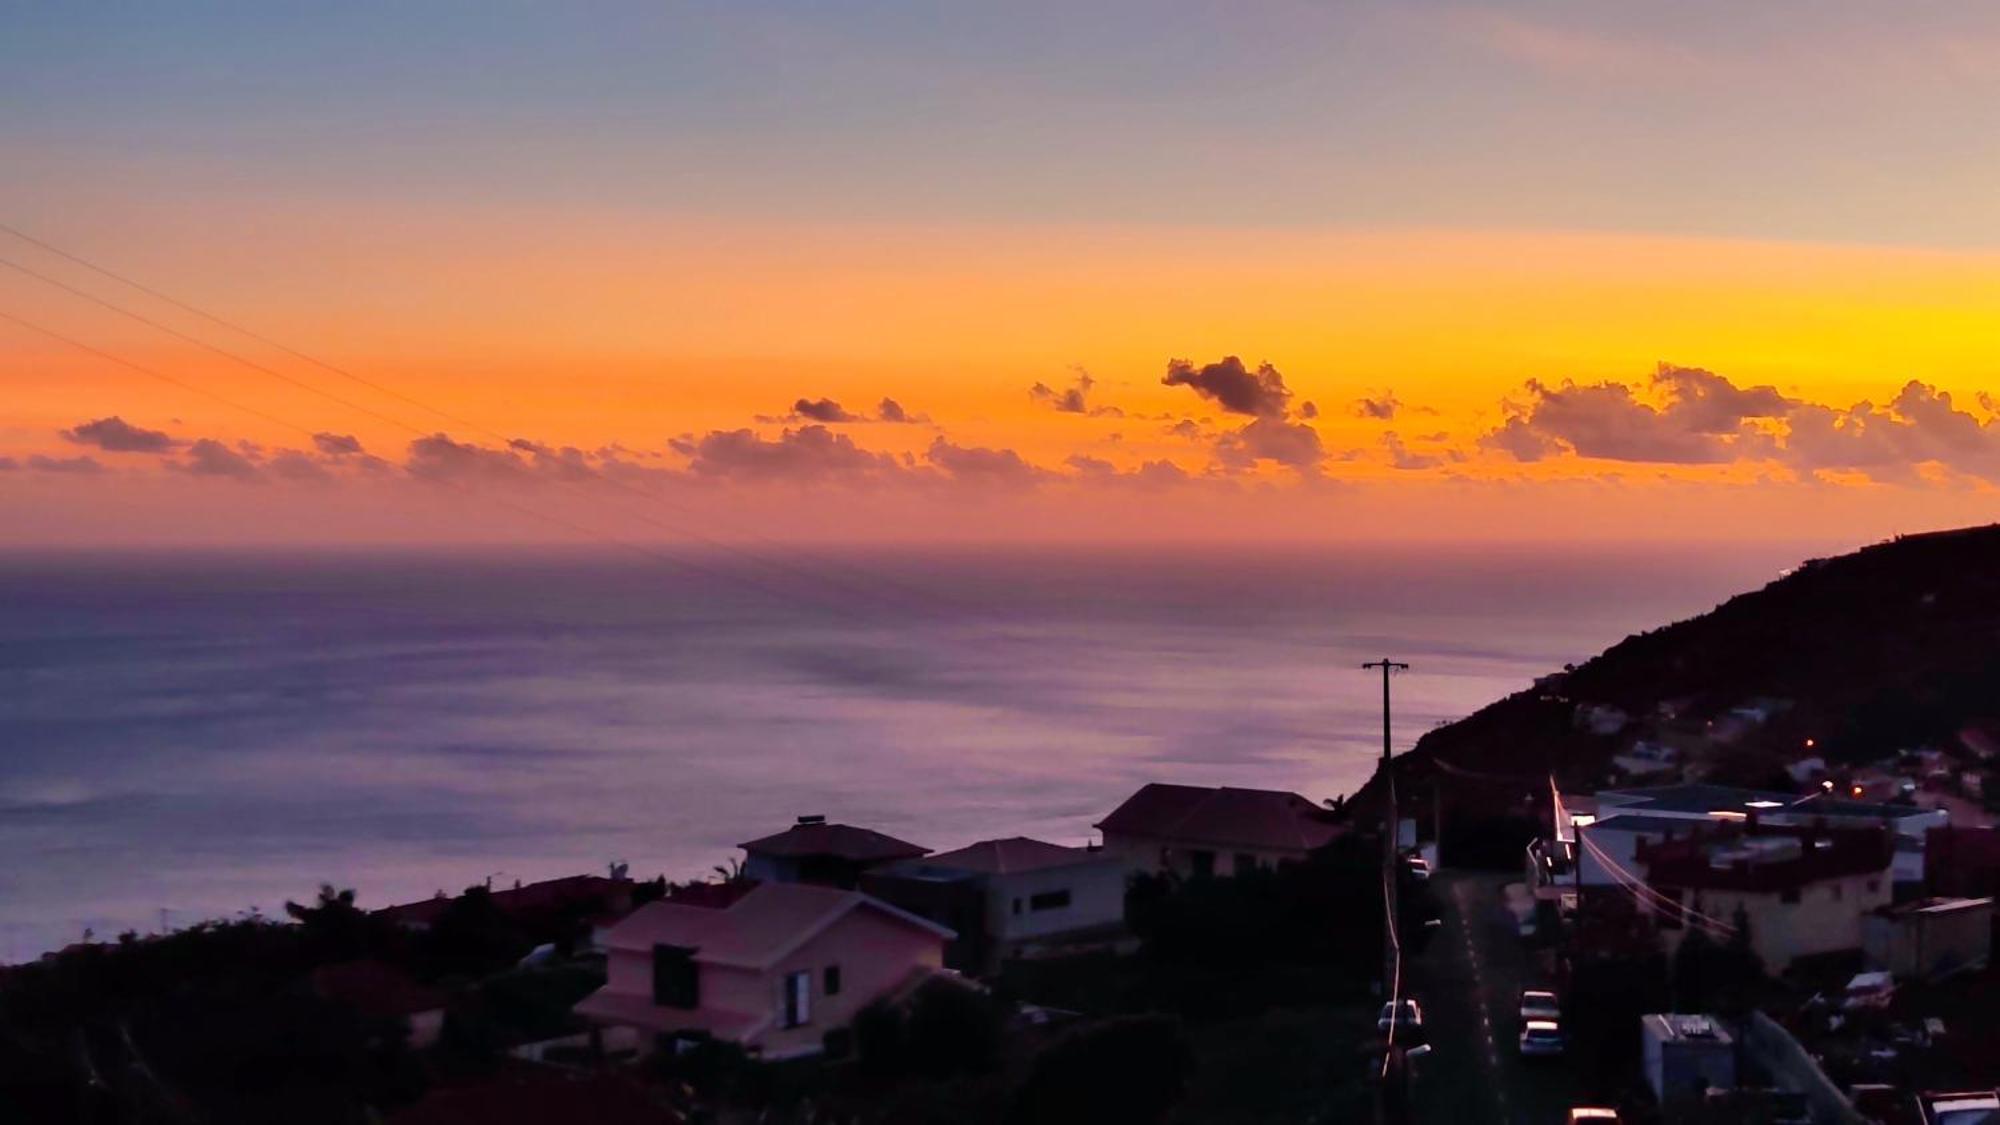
[816, 818]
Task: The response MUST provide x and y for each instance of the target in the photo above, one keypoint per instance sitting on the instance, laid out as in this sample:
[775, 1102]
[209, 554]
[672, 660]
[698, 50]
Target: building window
[1837, 892]
[1049, 900]
[676, 978]
[1245, 863]
[798, 998]
[1202, 863]
[1017, 906]
[1874, 885]
[1789, 894]
[829, 983]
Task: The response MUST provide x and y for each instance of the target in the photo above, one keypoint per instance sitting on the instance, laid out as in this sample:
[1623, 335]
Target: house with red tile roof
[1192, 830]
[1803, 890]
[1012, 897]
[377, 990]
[542, 908]
[775, 969]
[833, 855]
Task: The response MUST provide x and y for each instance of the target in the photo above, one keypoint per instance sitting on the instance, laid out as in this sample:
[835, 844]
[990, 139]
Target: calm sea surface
[201, 734]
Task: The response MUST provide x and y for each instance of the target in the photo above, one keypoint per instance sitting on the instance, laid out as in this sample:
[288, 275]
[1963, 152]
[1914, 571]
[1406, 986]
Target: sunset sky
[1321, 271]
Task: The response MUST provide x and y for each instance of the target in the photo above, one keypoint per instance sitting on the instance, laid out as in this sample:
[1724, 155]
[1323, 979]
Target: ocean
[188, 736]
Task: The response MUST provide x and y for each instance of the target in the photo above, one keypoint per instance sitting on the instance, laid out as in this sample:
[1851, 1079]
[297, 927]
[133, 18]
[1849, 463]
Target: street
[1469, 981]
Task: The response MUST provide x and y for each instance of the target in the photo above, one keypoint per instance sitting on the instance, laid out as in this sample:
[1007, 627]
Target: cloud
[1232, 386]
[1380, 407]
[439, 458]
[1921, 425]
[1073, 399]
[889, 410]
[1701, 418]
[210, 458]
[292, 465]
[336, 445]
[1292, 444]
[822, 410]
[984, 466]
[1401, 457]
[1308, 410]
[8, 465]
[79, 466]
[116, 435]
[809, 453]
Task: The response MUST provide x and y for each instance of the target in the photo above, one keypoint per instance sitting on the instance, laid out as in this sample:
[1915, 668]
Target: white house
[1035, 894]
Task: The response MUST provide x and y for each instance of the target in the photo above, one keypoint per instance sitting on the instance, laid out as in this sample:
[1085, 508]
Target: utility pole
[1392, 1093]
[1388, 775]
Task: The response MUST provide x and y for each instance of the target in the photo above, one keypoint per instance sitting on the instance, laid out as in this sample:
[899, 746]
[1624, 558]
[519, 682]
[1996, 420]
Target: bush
[1127, 1071]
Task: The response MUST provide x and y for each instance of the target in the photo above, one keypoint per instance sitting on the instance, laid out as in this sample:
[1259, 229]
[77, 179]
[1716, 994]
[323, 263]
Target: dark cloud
[889, 410]
[1292, 444]
[1187, 428]
[981, 465]
[210, 458]
[336, 445]
[1308, 410]
[8, 465]
[1073, 399]
[1402, 458]
[439, 458]
[560, 463]
[1091, 468]
[808, 453]
[292, 465]
[1701, 418]
[116, 435]
[80, 466]
[1380, 407]
[822, 410]
[1234, 387]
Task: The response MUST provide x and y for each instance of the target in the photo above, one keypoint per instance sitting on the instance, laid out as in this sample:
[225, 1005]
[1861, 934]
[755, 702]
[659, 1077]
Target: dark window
[1049, 900]
[1789, 894]
[676, 978]
[1874, 885]
[1017, 906]
[1202, 863]
[830, 980]
[1836, 892]
[1245, 863]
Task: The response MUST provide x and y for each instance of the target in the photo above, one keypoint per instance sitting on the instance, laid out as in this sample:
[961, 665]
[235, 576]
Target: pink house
[774, 969]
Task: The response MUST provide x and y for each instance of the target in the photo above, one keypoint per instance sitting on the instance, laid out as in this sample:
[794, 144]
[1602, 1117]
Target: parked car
[1420, 868]
[1539, 1004]
[1541, 1037]
[1405, 1016]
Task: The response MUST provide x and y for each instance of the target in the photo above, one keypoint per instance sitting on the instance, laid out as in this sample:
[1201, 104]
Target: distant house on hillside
[831, 855]
[1012, 897]
[774, 970]
[1602, 833]
[1803, 891]
[1192, 830]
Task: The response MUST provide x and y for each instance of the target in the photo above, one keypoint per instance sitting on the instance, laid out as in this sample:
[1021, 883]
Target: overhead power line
[869, 585]
[522, 509]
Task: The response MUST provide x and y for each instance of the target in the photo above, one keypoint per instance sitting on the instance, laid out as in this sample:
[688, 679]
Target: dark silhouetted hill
[1894, 646]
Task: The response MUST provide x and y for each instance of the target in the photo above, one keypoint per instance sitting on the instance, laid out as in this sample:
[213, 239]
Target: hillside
[1894, 646]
